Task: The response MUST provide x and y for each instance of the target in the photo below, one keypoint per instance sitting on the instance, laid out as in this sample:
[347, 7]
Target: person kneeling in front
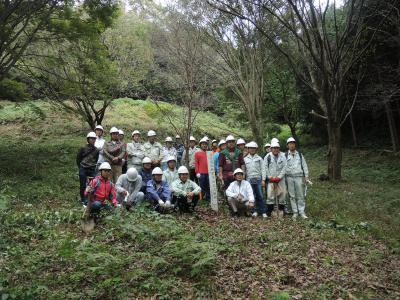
[158, 193]
[185, 191]
[240, 194]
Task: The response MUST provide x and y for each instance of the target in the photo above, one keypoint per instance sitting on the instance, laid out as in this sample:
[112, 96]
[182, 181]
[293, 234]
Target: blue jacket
[163, 193]
[216, 162]
[146, 177]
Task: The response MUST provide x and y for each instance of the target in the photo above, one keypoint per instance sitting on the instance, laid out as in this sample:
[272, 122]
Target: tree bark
[294, 134]
[334, 151]
[353, 130]
[392, 127]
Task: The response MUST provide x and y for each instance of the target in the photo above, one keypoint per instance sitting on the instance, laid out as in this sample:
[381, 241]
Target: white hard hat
[230, 138]
[91, 135]
[114, 129]
[157, 171]
[146, 160]
[290, 140]
[99, 127]
[221, 142]
[168, 139]
[206, 137]
[203, 140]
[151, 133]
[267, 145]
[121, 132]
[132, 174]
[213, 141]
[275, 144]
[105, 166]
[238, 170]
[170, 158]
[183, 170]
[177, 136]
[274, 140]
[135, 132]
[240, 141]
[192, 138]
[252, 145]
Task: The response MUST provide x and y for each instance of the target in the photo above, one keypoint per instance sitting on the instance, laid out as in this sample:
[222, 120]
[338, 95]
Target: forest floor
[348, 249]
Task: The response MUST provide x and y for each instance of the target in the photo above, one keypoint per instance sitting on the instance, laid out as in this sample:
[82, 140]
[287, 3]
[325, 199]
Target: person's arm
[113, 195]
[151, 190]
[176, 189]
[230, 191]
[123, 152]
[106, 153]
[282, 173]
[249, 192]
[221, 163]
[183, 162]
[138, 186]
[79, 157]
[305, 167]
[242, 164]
[166, 193]
[196, 188]
[130, 149]
[119, 185]
[196, 162]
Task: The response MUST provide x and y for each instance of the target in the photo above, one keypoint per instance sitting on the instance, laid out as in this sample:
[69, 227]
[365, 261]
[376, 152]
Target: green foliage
[13, 90]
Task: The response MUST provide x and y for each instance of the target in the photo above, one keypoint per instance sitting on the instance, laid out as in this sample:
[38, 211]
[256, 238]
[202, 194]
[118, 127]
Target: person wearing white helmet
[170, 174]
[114, 153]
[185, 191]
[128, 188]
[101, 191]
[214, 146]
[99, 144]
[167, 151]
[145, 173]
[135, 151]
[180, 147]
[221, 146]
[201, 168]
[267, 149]
[241, 144]
[158, 191]
[254, 165]
[121, 137]
[229, 160]
[296, 178]
[240, 194]
[274, 171]
[86, 160]
[190, 163]
[153, 149]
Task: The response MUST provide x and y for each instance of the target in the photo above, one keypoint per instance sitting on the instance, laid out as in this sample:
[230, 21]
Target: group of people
[172, 177]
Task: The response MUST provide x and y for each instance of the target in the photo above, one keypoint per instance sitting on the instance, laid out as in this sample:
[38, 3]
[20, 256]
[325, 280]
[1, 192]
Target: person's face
[121, 137]
[172, 164]
[91, 141]
[192, 144]
[241, 147]
[239, 176]
[105, 173]
[231, 145]
[292, 146]
[267, 149]
[152, 139]
[252, 151]
[222, 147]
[136, 138]
[115, 136]
[168, 144]
[178, 141]
[147, 166]
[99, 132]
[203, 146]
[184, 177]
[215, 145]
[157, 177]
[275, 150]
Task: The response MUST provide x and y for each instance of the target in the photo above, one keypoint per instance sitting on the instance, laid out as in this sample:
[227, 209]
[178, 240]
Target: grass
[349, 249]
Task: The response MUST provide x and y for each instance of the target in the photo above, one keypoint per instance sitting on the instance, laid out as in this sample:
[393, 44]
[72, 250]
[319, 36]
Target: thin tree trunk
[392, 127]
[294, 134]
[334, 151]
[353, 130]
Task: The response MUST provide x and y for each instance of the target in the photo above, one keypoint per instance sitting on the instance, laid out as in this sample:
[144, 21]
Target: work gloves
[198, 175]
[275, 180]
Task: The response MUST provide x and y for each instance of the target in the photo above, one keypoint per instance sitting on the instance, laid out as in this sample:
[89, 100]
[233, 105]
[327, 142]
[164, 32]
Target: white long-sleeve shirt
[243, 187]
[99, 144]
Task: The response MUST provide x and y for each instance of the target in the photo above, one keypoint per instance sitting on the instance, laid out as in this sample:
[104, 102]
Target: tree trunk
[334, 151]
[392, 127]
[294, 134]
[255, 129]
[353, 130]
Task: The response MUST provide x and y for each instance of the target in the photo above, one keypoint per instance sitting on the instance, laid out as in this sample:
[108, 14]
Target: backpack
[301, 161]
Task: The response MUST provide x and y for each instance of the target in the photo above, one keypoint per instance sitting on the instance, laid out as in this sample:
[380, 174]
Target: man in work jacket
[135, 151]
[128, 188]
[153, 149]
[254, 165]
[158, 191]
[86, 160]
[296, 178]
[229, 159]
[170, 174]
[114, 153]
[240, 194]
[167, 151]
[185, 191]
[274, 168]
[145, 173]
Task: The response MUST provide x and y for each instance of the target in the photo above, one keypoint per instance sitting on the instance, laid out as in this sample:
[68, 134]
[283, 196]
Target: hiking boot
[255, 214]
[303, 216]
[294, 217]
[264, 216]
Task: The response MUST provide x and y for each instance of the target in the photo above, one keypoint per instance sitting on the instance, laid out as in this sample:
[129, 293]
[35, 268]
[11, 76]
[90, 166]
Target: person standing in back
[201, 168]
[114, 153]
